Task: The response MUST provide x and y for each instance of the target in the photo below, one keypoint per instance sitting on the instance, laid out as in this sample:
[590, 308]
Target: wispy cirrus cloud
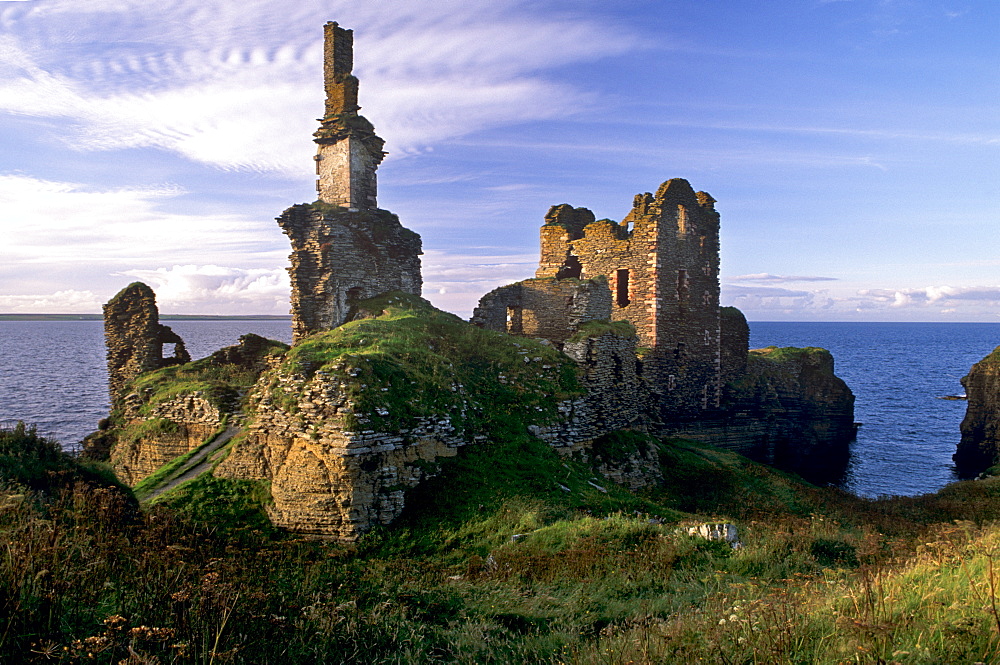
[242, 92]
[52, 222]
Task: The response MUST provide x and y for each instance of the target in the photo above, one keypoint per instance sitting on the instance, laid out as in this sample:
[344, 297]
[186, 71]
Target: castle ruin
[661, 266]
[135, 337]
[344, 248]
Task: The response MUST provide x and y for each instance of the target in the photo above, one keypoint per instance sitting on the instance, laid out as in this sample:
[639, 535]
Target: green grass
[597, 328]
[822, 577]
[168, 471]
[413, 361]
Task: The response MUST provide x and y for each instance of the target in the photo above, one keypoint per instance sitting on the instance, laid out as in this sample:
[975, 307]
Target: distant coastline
[163, 317]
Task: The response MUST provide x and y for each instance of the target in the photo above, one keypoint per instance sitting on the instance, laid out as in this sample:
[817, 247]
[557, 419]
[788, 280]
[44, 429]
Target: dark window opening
[682, 285]
[621, 291]
[514, 321]
[679, 351]
[572, 268]
[353, 295]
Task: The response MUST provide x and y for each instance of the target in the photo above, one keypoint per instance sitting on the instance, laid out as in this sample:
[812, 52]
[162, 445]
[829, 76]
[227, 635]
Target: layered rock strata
[789, 409]
[164, 414]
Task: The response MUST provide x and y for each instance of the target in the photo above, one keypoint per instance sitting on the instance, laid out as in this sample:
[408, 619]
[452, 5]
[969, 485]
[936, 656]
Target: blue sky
[852, 145]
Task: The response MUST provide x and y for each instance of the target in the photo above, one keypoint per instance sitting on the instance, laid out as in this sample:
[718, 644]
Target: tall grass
[531, 574]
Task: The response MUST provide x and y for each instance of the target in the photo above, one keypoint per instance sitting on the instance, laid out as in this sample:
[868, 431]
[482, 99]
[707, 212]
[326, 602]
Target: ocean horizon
[53, 375]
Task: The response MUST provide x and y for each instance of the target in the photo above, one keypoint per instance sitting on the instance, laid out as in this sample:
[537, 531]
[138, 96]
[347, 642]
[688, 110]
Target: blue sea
[52, 374]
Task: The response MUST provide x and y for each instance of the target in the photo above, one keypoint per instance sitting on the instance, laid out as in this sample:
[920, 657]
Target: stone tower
[349, 151]
[662, 265]
[344, 248]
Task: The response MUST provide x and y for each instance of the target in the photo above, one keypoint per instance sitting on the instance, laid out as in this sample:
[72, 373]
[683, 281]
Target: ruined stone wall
[193, 419]
[326, 476]
[662, 265]
[135, 337]
[734, 342]
[329, 476]
[551, 309]
[339, 258]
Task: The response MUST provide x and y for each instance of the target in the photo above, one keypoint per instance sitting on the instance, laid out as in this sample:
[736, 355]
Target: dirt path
[197, 464]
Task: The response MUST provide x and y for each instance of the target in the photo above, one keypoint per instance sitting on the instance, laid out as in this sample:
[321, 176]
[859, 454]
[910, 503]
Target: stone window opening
[679, 351]
[682, 220]
[621, 287]
[706, 298]
[682, 285]
[708, 338]
[571, 268]
[167, 350]
[671, 382]
[515, 321]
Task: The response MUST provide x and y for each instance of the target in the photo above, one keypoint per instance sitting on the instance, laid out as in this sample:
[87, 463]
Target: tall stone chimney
[349, 150]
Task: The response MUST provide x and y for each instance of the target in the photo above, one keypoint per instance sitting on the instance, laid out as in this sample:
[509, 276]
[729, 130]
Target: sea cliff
[980, 445]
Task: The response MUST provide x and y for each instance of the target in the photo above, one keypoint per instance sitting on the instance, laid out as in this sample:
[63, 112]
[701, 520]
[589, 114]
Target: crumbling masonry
[135, 338]
[344, 248]
[661, 263]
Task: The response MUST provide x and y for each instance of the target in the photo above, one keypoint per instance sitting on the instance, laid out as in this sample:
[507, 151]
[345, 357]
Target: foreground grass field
[486, 568]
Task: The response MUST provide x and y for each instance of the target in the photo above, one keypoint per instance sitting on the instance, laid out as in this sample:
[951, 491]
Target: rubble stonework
[551, 309]
[339, 258]
[662, 266]
[135, 337]
[344, 248]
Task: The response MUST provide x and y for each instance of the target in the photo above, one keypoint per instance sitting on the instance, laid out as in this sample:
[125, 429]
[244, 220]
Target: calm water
[52, 374]
[898, 372]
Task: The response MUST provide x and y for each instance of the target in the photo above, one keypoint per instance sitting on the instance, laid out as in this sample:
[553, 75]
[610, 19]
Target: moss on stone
[407, 360]
[597, 328]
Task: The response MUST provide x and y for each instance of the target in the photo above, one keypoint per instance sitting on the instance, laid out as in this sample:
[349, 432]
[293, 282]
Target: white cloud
[49, 222]
[456, 282]
[240, 91]
[61, 302]
[212, 289]
[764, 277]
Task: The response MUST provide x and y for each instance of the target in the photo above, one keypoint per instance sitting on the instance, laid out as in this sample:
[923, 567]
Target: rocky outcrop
[355, 417]
[164, 414]
[979, 448]
[135, 338]
[788, 409]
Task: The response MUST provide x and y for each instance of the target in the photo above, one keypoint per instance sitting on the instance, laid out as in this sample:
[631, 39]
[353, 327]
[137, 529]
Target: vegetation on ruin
[597, 328]
[491, 565]
[406, 360]
[222, 384]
